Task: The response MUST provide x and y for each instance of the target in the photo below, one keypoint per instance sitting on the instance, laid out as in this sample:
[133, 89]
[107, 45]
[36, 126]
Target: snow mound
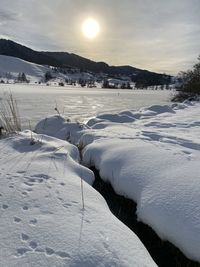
[161, 109]
[131, 116]
[57, 126]
[43, 222]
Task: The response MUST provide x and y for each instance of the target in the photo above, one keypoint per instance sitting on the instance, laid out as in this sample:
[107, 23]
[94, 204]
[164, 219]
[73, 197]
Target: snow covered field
[152, 157]
[36, 102]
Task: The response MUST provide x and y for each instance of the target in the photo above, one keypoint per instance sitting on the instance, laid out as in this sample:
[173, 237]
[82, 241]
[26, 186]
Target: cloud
[152, 34]
[6, 16]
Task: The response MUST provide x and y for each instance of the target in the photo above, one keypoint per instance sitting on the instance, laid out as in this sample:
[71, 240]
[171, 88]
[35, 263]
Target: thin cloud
[151, 34]
[6, 16]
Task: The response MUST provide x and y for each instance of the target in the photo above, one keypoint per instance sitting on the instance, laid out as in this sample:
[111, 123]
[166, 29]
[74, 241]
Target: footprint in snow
[29, 189]
[28, 183]
[49, 251]
[15, 176]
[22, 251]
[75, 202]
[62, 254]
[17, 220]
[67, 205]
[87, 221]
[25, 207]
[4, 206]
[24, 237]
[33, 244]
[33, 222]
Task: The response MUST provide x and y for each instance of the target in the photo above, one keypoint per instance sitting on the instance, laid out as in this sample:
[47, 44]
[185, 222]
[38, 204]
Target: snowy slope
[14, 66]
[42, 222]
[152, 156]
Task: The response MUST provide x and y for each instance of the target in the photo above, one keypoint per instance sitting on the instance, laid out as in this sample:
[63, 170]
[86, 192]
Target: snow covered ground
[36, 102]
[42, 220]
[151, 156]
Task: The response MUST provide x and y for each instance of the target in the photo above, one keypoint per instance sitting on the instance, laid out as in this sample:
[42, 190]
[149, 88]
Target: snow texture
[152, 157]
[56, 126]
[153, 160]
[42, 220]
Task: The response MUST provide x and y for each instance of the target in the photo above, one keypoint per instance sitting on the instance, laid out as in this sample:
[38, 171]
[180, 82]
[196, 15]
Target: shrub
[9, 115]
[189, 84]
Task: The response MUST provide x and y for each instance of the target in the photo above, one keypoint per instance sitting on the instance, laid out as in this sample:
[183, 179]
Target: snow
[38, 101]
[43, 222]
[56, 126]
[14, 66]
[153, 160]
[152, 157]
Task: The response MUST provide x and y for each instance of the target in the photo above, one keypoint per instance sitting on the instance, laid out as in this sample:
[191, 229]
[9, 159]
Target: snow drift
[155, 162]
[42, 218]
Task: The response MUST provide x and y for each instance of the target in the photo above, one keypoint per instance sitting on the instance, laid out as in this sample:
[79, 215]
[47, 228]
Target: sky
[158, 35]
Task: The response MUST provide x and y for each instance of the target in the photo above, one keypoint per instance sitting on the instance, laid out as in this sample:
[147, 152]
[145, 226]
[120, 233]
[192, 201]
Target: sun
[90, 28]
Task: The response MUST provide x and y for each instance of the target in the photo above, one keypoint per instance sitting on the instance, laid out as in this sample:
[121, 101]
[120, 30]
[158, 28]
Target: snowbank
[56, 126]
[42, 220]
[155, 161]
[152, 156]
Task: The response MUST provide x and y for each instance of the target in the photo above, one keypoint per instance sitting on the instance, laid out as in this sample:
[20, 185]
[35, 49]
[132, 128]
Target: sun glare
[90, 28]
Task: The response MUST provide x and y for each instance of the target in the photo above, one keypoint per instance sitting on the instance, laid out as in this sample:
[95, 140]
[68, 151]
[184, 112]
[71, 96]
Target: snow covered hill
[14, 66]
[10, 67]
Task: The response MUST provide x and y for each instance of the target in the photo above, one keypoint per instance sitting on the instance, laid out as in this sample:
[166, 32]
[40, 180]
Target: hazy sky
[157, 35]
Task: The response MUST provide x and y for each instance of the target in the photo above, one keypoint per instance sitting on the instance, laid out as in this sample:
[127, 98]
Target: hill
[10, 67]
[70, 60]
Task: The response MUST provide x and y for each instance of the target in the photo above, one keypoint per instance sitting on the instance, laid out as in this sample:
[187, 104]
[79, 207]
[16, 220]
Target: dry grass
[9, 114]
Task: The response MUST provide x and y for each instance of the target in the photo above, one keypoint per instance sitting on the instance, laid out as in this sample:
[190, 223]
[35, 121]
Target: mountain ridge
[71, 60]
[11, 48]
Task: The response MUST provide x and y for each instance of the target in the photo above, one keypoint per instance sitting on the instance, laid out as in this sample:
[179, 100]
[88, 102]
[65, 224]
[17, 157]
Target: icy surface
[42, 221]
[152, 156]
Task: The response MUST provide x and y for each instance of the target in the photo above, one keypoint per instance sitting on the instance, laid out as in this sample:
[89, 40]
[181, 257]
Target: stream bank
[163, 252]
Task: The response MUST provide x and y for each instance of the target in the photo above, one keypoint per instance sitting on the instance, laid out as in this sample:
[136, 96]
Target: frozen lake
[36, 102]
